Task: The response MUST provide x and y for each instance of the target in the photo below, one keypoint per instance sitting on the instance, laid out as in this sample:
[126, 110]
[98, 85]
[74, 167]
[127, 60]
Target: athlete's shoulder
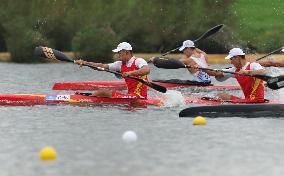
[255, 65]
[140, 61]
[200, 51]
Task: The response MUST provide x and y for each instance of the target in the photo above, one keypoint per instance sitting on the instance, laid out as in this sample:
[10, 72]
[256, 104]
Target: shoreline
[212, 58]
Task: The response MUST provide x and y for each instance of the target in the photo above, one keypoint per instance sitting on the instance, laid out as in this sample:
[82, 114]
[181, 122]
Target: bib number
[63, 97]
[58, 97]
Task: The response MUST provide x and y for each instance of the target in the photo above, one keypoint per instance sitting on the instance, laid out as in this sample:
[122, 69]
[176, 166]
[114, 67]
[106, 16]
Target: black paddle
[272, 52]
[203, 36]
[276, 82]
[171, 63]
[53, 54]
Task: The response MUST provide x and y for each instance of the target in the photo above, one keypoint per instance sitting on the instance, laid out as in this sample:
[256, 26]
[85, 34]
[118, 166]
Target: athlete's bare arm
[272, 63]
[82, 62]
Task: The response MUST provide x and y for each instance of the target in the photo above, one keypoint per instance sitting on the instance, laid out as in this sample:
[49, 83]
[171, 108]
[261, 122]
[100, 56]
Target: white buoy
[129, 136]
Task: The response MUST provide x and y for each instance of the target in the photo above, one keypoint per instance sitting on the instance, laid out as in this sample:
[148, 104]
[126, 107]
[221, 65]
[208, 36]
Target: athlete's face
[188, 51]
[236, 61]
[123, 55]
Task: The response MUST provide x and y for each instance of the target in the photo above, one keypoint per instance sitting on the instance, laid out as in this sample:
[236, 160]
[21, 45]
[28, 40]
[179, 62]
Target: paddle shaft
[150, 84]
[203, 36]
[263, 77]
[114, 72]
[272, 52]
[273, 83]
[170, 63]
[100, 68]
[57, 55]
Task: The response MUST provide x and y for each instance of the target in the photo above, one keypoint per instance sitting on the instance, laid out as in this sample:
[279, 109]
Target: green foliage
[93, 27]
[95, 43]
[260, 24]
[21, 41]
[21, 46]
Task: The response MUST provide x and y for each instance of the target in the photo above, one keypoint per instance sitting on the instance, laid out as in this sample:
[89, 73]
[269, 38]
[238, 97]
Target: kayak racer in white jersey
[194, 57]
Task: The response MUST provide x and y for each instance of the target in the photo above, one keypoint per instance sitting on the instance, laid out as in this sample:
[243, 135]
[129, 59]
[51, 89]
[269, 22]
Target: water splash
[172, 98]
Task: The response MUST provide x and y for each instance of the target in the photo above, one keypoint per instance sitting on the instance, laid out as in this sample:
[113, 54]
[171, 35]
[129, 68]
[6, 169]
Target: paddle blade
[168, 63]
[210, 32]
[52, 54]
[276, 82]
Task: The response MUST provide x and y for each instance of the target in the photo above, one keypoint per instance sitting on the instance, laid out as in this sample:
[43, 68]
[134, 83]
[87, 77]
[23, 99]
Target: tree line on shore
[92, 28]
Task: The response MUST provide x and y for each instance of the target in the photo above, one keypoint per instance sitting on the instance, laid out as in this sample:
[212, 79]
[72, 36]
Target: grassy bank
[212, 58]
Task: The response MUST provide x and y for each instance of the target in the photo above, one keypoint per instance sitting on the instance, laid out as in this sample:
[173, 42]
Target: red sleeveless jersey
[253, 88]
[133, 86]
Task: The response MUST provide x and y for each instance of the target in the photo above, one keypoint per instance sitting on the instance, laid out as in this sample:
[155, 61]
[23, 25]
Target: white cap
[123, 46]
[282, 50]
[187, 44]
[235, 52]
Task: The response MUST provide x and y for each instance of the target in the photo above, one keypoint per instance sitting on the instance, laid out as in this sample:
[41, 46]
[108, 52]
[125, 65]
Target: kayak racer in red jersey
[128, 65]
[252, 87]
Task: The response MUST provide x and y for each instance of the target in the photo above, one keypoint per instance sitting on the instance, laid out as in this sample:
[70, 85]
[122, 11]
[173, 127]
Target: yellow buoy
[199, 120]
[47, 153]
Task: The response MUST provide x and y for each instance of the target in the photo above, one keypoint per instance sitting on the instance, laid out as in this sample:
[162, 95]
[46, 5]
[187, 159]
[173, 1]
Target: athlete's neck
[243, 62]
[195, 53]
[126, 59]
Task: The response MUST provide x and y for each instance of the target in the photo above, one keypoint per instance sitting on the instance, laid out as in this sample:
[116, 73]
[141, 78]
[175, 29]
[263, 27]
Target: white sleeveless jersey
[200, 75]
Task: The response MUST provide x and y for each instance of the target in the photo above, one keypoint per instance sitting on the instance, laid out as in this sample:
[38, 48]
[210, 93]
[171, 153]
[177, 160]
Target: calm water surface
[88, 139]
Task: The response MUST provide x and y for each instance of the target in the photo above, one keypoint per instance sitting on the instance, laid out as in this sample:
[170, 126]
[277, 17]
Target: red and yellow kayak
[120, 85]
[45, 99]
